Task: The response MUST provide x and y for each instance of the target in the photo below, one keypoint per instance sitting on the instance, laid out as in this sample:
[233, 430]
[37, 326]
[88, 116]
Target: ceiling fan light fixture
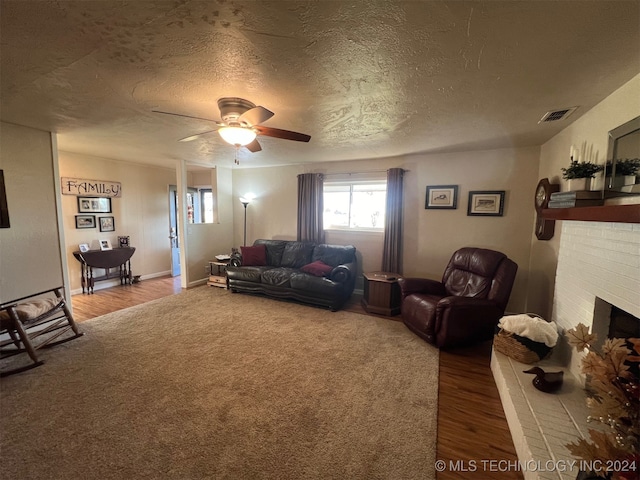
[237, 135]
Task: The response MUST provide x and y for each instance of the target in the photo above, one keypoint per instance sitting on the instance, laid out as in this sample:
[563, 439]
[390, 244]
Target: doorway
[174, 237]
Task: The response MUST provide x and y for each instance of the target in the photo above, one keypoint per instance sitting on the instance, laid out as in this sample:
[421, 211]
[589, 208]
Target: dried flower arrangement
[614, 400]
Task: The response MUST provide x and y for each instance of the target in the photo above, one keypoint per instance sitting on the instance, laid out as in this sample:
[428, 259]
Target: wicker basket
[509, 344]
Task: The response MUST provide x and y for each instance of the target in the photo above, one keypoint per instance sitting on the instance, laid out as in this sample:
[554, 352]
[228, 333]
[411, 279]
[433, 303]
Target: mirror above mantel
[622, 152]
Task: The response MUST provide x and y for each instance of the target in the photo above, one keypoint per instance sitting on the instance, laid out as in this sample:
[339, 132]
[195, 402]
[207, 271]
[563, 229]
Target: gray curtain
[392, 251]
[310, 208]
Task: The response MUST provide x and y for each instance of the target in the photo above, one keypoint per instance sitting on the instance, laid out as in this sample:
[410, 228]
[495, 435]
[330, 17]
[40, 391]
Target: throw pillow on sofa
[255, 256]
[317, 268]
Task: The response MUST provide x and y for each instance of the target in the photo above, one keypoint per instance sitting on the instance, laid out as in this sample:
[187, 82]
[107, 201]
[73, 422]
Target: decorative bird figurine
[547, 382]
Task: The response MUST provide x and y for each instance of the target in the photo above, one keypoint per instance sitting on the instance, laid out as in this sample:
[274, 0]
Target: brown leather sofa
[464, 307]
[282, 273]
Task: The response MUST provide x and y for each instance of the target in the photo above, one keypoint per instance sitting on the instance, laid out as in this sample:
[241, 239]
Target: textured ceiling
[364, 79]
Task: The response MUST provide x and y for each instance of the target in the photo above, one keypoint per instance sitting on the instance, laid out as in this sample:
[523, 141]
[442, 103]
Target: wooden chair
[33, 322]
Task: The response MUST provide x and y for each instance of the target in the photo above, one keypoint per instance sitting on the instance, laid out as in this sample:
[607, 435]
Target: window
[200, 207]
[358, 205]
[206, 199]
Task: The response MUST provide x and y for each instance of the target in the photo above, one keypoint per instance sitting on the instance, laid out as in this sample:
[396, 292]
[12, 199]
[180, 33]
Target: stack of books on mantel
[581, 198]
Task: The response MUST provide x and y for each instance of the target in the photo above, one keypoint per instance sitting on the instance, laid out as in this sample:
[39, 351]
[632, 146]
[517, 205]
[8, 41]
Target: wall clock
[544, 228]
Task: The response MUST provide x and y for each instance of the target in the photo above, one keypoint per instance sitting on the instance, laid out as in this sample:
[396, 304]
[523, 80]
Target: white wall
[431, 236]
[590, 133]
[30, 249]
[142, 212]
[206, 240]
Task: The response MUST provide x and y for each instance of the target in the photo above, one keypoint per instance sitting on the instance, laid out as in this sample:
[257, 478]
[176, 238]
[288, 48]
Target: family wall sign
[96, 188]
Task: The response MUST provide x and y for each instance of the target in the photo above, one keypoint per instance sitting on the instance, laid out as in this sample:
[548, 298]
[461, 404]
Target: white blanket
[533, 328]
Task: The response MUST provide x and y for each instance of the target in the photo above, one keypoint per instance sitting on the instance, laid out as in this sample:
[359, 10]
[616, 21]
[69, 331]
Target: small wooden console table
[116, 264]
[381, 293]
[218, 277]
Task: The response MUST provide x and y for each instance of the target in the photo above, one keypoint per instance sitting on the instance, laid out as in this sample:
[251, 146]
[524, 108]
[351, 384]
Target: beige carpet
[212, 385]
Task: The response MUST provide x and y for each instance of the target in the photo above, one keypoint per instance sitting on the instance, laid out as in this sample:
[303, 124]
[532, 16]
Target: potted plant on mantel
[578, 174]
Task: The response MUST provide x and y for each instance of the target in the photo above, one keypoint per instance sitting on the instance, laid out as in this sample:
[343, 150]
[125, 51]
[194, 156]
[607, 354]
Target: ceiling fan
[241, 124]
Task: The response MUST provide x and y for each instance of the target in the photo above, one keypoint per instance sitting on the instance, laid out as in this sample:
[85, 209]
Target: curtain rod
[363, 172]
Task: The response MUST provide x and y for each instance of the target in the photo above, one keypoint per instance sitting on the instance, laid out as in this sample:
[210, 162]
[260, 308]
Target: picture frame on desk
[85, 221]
[105, 245]
[94, 205]
[84, 247]
[123, 241]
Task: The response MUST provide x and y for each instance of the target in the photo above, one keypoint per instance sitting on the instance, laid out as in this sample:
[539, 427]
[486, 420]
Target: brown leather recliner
[465, 307]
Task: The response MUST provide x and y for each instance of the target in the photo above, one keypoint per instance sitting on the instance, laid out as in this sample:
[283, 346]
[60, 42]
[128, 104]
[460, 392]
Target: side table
[381, 293]
[218, 273]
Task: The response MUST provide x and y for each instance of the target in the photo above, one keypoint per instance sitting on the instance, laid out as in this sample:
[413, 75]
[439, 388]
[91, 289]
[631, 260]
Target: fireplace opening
[622, 324]
[610, 321]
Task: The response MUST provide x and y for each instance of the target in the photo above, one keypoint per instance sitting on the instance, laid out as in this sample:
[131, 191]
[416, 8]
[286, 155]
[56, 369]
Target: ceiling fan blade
[188, 116]
[191, 138]
[254, 146]
[255, 116]
[284, 134]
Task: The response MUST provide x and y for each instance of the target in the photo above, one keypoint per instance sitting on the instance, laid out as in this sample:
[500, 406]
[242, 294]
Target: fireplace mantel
[606, 213]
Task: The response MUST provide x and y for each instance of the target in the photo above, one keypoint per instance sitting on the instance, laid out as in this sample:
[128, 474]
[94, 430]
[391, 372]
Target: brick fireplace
[598, 267]
[596, 261]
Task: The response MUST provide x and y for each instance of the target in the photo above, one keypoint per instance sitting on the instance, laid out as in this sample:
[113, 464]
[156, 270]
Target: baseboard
[155, 275]
[197, 283]
[115, 282]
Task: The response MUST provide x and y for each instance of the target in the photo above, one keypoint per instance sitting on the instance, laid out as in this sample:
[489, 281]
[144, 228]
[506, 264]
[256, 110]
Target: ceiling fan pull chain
[236, 161]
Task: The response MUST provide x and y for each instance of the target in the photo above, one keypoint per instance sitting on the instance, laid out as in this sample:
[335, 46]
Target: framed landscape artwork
[488, 203]
[442, 196]
[85, 221]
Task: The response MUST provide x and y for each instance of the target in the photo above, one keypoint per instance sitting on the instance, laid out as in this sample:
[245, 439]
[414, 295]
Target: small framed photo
[486, 203]
[123, 241]
[107, 224]
[105, 245]
[442, 196]
[94, 205]
[84, 247]
[4, 208]
[85, 221]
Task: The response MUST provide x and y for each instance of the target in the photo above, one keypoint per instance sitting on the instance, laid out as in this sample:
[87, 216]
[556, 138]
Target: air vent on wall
[555, 115]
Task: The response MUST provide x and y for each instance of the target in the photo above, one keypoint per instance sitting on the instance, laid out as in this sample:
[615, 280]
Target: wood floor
[474, 441]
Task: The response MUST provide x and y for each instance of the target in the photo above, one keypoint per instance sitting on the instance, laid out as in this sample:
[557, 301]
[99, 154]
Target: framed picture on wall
[107, 224]
[4, 208]
[486, 203]
[85, 221]
[442, 196]
[94, 205]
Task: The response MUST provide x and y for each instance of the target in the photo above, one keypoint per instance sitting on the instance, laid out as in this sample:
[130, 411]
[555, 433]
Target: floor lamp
[245, 202]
